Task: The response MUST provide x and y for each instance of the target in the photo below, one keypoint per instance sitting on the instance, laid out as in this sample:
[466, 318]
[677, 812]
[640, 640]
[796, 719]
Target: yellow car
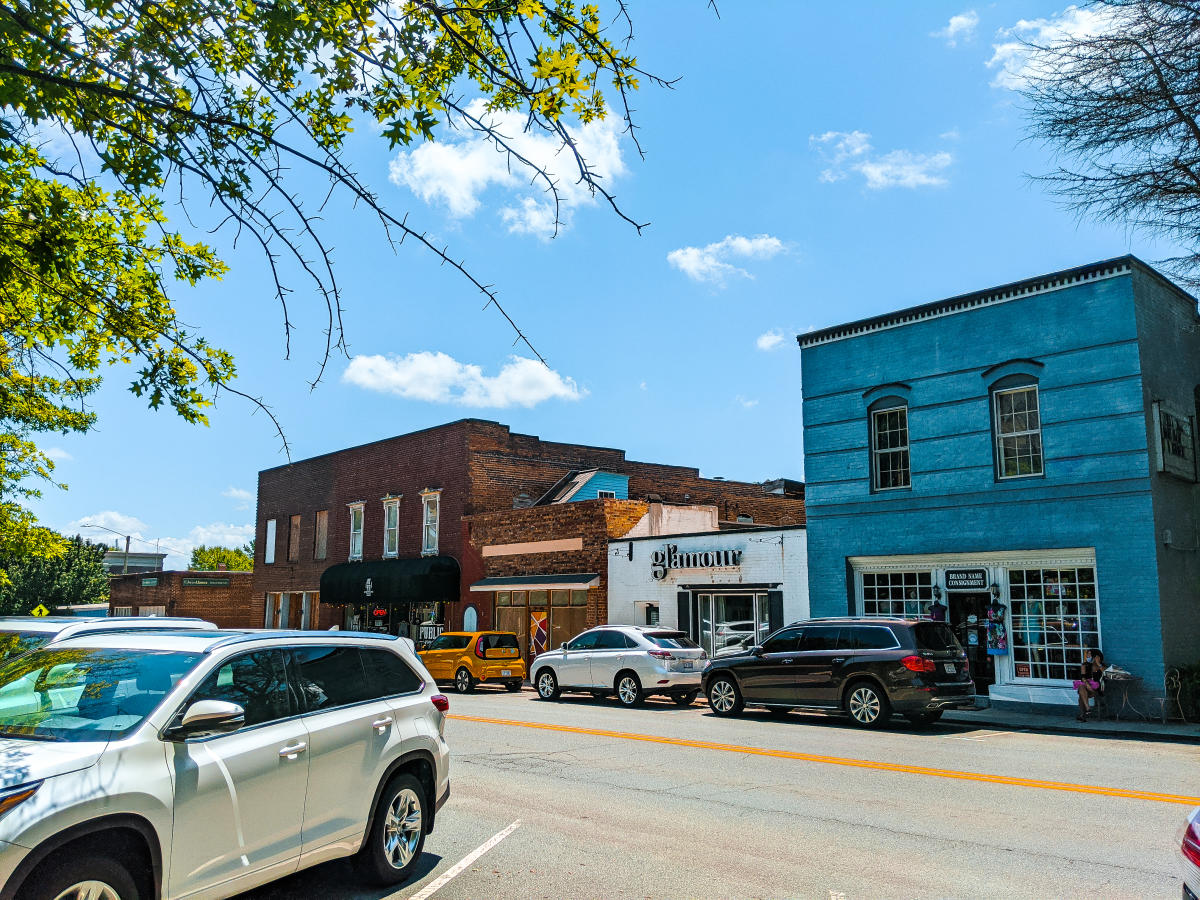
[469, 658]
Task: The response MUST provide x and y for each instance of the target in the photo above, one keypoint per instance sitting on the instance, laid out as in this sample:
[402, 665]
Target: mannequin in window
[937, 610]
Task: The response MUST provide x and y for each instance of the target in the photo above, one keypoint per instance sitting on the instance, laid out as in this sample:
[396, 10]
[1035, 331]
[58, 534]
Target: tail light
[919, 664]
[1191, 841]
[661, 654]
[441, 702]
[479, 647]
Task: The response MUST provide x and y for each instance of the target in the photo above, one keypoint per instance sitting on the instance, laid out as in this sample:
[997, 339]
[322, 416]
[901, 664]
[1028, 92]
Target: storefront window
[1055, 618]
[560, 598]
[731, 622]
[503, 598]
[538, 598]
[518, 598]
[906, 594]
[579, 598]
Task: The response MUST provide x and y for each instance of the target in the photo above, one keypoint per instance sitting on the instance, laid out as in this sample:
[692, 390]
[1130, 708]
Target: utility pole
[125, 565]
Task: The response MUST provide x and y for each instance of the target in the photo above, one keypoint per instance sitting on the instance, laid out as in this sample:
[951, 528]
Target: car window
[254, 681]
[817, 637]
[389, 675]
[328, 677]
[613, 640]
[936, 636]
[672, 640]
[451, 642]
[865, 637]
[14, 643]
[585, 641]
[782, 641]
[500, 642]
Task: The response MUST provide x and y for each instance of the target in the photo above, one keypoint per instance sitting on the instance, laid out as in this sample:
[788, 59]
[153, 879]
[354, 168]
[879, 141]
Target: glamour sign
[664, 560]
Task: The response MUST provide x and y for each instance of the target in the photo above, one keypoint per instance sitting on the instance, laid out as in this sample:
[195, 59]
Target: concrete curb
[1104, 728]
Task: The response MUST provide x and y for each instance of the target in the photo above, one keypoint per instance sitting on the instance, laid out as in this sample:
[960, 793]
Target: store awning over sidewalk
[426, 579]
[576, 581]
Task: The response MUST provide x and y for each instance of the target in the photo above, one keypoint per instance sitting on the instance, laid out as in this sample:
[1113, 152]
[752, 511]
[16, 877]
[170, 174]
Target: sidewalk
[1152, 730]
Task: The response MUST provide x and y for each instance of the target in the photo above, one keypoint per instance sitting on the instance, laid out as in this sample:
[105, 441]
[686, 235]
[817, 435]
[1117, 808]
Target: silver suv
[632, 661]
[138, 765]
[20, 634]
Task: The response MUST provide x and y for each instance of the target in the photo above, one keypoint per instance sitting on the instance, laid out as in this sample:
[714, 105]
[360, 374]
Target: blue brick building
[1023, 454]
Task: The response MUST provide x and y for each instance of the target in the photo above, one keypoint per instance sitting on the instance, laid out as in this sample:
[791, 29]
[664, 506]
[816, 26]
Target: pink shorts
[1092, 685]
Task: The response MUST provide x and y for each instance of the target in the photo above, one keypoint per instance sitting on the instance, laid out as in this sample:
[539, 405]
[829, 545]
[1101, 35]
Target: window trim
[888, 405]
[606, 495]
[391, 503]
[269, 538]
[431, 497]
[997, 390]
[360, 508]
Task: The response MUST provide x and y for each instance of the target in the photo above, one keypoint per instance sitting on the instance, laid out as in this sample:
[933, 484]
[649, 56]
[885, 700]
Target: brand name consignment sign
[669, 557]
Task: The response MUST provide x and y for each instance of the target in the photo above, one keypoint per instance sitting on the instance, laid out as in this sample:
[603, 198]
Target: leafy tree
[1120, 104]
[76, 576]
[113, 113]
[236, 559]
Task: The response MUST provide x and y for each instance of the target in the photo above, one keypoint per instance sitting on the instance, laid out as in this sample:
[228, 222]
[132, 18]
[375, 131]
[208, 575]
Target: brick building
[220, 597]
[380, 536]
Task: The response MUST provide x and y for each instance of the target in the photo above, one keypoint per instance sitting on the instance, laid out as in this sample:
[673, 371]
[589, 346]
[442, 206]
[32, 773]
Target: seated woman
[1088, 683]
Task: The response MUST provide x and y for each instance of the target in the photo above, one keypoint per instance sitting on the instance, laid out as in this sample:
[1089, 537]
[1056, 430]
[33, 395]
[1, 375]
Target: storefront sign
[1175, 443]
[1021, 670]
[966, 579]
[379, 613]
[202, 582]
[149, 582]
[663, 561]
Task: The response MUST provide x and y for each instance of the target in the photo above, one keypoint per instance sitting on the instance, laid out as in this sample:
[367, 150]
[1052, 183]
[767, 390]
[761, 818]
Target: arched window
[888, 424]
[470, 619]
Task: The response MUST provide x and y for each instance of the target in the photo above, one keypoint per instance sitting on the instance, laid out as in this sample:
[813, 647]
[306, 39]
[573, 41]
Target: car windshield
[85, 693]
[672, 640]
[16, 643]
[936, 636]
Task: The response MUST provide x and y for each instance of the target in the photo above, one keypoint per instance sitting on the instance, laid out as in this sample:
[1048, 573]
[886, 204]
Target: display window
[1055, 620]
[904, 594]
[731, 622]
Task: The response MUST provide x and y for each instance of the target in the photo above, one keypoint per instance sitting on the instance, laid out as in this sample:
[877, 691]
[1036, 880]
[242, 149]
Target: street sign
[39, 611]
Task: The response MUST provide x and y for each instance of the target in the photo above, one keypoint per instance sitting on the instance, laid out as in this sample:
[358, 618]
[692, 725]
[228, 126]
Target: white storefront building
[721, 587]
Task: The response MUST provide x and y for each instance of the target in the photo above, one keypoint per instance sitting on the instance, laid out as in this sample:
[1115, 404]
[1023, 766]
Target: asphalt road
[671, 802]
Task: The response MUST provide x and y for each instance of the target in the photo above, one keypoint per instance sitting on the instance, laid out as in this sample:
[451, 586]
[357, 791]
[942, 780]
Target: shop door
[516, 620]
[968, 617]
[565, 623]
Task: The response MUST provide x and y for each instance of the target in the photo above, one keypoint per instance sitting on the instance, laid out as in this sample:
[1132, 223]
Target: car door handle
[291, 751]
[838, 659]
[381, 725]
[788, 660]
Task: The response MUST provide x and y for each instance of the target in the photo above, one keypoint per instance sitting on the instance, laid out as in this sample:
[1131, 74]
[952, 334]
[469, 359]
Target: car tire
[105, 878]
[867, 704]
[686, 699]
[512, 686]
[397, 836]
[464, 683]
[547, 685]
[923, 719]
[629, 689]
[724, 698]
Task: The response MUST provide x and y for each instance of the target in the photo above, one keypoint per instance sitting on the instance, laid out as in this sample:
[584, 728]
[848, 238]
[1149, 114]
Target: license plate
[685, 666]
[504, 673]
[950, 667]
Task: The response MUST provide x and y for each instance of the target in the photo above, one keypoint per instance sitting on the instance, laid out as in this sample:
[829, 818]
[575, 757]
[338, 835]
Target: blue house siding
[603, 481]
[1086, 345]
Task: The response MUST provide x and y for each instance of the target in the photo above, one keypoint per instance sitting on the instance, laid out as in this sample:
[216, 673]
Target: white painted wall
[664, 519]
[773, 555]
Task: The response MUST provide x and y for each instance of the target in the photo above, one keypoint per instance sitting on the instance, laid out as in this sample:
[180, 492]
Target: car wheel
[924, 718]
[397, 833]
[82, 878]
[867, 705]
[513, 686]
[463, 682]
[724, 697]
[547, 685]
[629, 689]
[686, 699]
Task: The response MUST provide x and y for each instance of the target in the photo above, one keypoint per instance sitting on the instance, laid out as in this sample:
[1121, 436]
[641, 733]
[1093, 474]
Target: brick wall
[226, 606]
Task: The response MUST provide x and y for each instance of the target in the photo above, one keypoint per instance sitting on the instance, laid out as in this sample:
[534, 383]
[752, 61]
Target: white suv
[139, 765]
[632, 661]
[20, 634]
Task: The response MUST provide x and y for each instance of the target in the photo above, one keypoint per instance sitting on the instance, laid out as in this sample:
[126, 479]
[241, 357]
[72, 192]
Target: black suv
[867, 668]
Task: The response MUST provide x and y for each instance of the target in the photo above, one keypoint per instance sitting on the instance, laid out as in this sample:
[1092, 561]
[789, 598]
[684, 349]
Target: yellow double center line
[846, 761]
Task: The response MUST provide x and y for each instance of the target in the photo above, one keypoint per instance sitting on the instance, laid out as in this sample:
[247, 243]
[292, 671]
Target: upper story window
[356, 530]
[321, 534]
[430, 510]
[606, 495]
[269, 543]
[1018, 425]
[391, 526]
[889, 449]
[294, 539]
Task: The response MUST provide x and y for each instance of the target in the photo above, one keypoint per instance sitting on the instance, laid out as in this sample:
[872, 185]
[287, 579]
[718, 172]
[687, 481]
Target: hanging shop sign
[966, 579]
[664, 560]
[1175, 443]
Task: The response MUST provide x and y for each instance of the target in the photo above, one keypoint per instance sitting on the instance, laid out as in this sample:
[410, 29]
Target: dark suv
[866, 668]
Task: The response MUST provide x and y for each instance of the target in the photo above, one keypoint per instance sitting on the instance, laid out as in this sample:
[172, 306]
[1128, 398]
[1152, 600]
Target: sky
[814, 163]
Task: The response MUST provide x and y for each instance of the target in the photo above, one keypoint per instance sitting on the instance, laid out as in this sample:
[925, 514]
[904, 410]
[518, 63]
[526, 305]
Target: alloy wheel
[462, 681]
[546, 685]
[401, 829]
[89, 890]
[722, 696]
[628, 690]
[864, 705]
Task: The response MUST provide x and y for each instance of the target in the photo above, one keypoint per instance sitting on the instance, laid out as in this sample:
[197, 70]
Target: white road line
[458, 868]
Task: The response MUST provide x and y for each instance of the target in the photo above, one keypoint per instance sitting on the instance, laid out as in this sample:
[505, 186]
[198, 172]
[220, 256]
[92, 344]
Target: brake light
[919, 664]
[479, 647]
[1191, 841]
[661, 654]
[441, 702]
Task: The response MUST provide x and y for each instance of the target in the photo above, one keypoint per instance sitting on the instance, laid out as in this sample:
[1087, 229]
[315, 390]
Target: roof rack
[268, 633]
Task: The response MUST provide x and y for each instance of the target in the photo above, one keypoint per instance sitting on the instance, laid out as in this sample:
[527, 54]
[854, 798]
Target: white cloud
[960, 28]
[951, 135]
[58, 454]
[769, 340]
[643, 385]
[1015, 63]
[851, 151]
[456, 173]
[748, 404]
[109, 518]
[439, 378]
[710, 263]
[242, 497]
[216, 534]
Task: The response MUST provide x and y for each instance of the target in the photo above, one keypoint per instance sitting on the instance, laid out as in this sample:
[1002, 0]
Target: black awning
[427, 579]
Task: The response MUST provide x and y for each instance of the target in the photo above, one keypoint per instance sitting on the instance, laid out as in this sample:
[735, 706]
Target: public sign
[150, 582]
[206, 582]
[39, 611]
[966, 579]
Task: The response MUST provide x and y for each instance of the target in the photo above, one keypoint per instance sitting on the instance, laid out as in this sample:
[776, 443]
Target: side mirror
[756, 650]
[562, 646]
[208, 717]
